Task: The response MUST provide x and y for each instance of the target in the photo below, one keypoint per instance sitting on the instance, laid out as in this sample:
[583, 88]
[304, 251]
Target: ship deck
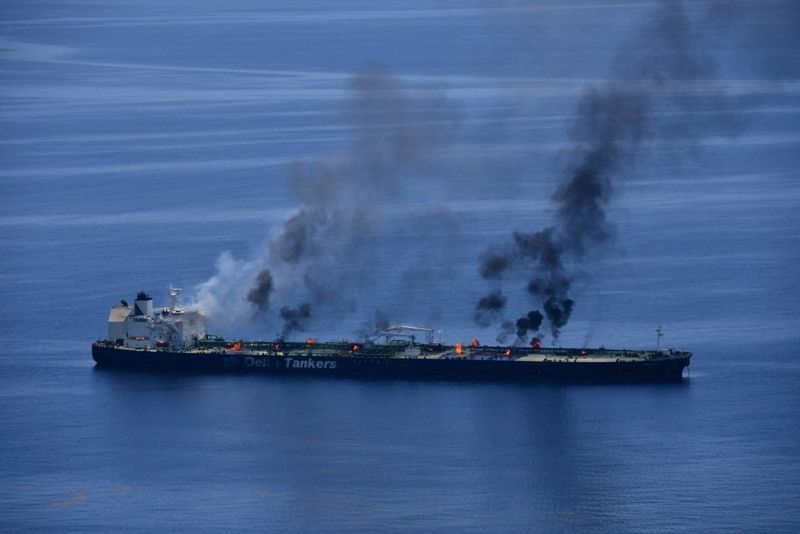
[432, 352]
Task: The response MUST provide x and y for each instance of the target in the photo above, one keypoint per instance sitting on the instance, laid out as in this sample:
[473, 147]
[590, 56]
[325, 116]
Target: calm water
[140, 142]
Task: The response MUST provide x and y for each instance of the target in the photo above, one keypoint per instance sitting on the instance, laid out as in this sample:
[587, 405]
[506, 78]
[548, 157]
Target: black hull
[660, 370]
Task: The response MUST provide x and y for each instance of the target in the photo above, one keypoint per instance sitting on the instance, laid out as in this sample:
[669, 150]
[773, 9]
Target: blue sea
[146, 143]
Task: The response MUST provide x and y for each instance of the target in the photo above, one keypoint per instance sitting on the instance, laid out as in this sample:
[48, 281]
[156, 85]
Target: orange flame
[474, 343]
[237, 346]
[507, 352]
[459, 348]
[311, 340]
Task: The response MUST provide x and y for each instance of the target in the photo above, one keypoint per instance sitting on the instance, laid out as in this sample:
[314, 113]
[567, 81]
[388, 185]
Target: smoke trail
[489, 307]
[609, 122]
[507, 330]
[259, 293]
[294, 319]
[532, 321]
[311, 256]
[612, 120]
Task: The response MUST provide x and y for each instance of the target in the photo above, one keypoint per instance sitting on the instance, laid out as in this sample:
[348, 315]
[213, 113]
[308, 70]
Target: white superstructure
[142, 327]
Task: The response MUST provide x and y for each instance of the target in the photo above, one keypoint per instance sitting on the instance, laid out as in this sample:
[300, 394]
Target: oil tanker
[174, 339]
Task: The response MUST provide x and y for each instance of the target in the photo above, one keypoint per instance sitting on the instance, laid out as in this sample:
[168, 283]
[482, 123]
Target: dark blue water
[140, 142]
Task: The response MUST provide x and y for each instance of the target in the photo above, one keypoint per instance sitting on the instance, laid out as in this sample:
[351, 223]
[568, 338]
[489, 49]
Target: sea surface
[140, 141]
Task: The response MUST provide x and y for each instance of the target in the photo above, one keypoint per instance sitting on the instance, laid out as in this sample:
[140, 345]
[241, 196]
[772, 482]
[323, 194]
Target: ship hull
[661, 370]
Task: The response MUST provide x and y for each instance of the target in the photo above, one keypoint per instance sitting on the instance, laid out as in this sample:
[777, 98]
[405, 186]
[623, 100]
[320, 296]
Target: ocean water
[141, 141]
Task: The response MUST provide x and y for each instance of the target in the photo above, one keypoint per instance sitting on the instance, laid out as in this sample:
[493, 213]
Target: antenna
[659, 335]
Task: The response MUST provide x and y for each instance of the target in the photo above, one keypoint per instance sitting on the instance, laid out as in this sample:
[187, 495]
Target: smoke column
[489, 308]
[654, 68]
[294, 319]
[262, 287]
[301, 267]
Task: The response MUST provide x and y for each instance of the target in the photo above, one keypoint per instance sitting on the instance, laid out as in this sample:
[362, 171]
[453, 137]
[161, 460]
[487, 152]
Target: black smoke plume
[261, 289]
[489, 308]
[612, 120]
[294, 319]
[395, 131]
[508, 329]
[531, 322]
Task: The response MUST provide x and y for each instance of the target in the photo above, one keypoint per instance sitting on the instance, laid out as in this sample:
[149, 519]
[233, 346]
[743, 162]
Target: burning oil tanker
[174, 339]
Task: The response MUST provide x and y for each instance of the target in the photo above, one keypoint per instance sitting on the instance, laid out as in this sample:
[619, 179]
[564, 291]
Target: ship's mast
[174, 298]
[659, 335]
